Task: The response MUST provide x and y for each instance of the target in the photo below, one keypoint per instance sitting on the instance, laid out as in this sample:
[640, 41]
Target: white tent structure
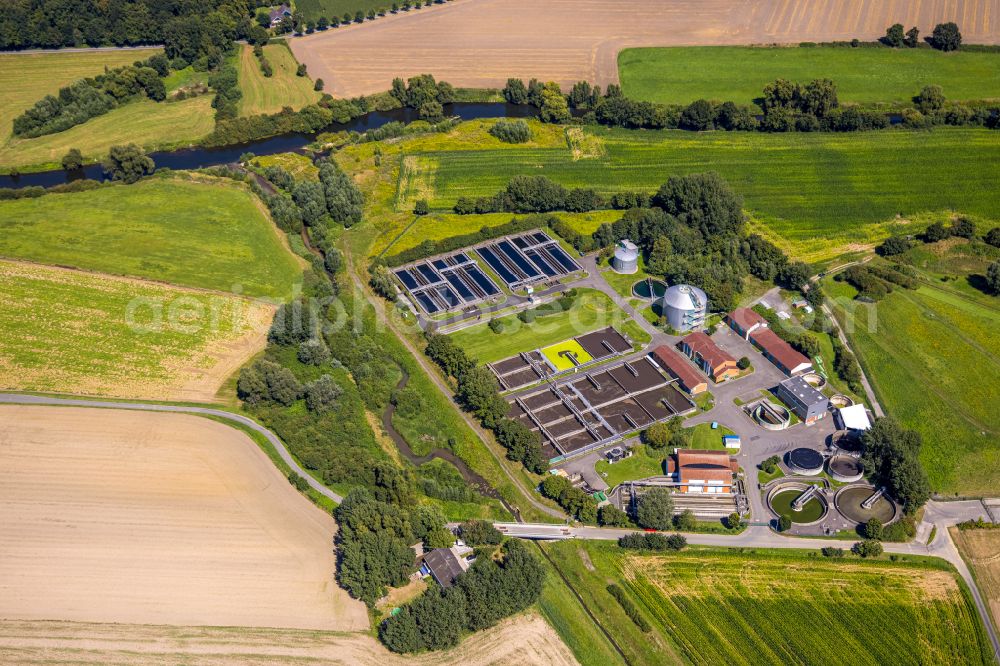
[855, 418]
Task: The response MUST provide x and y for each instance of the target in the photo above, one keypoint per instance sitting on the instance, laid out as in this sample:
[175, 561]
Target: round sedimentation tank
[850, 501]
[845, 468]
[849, 443]
[649, 289]
[626, 259]
[684, 307]
[840, 400]
[814, 379]
[771, 416]
[784, 501]
[805, 461]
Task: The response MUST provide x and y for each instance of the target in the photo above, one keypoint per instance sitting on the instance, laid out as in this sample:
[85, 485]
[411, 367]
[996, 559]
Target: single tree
[656, 509]
[128, 163]
[946, 37]
[992, 237]
[685, 520]
[734, 521]
[873, 529]
[993, 277]
[421, 207]
[930, 99]
[784, 523]
[318, 85]
[894, 36]
[72, 160]
[935, 232]
[893, 246]
[912, 37]
[743, 363]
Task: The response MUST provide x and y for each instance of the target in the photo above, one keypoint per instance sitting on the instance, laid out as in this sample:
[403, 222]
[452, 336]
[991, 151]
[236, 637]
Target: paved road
[23, 399]
[938, 514]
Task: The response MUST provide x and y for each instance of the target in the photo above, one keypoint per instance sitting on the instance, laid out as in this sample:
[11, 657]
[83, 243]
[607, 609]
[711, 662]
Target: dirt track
[144, 518]
[522, 640]
[479, 43]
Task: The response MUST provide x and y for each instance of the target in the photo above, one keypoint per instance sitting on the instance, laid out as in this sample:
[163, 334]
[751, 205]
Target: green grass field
[932, 357]
[270, 94]
[739, 74]
[210, 235]
[816, 195]
[715, 606]
[91, 334]
[703, 437]
[644, 462]
[26, 78]
[593, 310]
[558, 354]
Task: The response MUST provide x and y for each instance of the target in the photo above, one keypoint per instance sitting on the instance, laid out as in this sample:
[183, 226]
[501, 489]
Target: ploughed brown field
[146, 518]
[480, 43]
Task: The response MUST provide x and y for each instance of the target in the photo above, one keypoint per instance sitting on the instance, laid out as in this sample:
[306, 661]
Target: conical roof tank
[626, 259]
[684, 306]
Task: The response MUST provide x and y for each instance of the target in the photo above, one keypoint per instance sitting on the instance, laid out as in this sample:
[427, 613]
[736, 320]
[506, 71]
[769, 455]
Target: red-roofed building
[678, 367]
[707, 355]
[703, 471]
[745, 321]
[780, 353]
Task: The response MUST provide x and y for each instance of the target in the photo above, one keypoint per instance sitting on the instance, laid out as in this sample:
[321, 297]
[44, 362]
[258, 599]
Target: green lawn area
[703, 437]
[931, 355]
[717, 606]
[593, 310]
[739, 74]
[263, 94]
[212, 235]
[643, 462]
[26, 78]
[92, 334]
[817, 195]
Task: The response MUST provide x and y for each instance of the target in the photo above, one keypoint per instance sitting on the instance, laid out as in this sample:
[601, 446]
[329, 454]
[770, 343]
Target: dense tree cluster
[892, 458]
[88, 98]
[128, 163]
[419, 91]
[652, 541]
[190, 30]
[875, 282]
[489, 591]
[479, 533]
[531, 194]
[574, 501]
[344, 200]
[266, 381]
[511, 131]
[896, 37]
[667, 434]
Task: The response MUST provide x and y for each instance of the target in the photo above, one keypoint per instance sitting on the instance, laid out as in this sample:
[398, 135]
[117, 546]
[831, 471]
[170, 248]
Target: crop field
[524, 639]
[26, 78]
[570, 40]
[931, 355]
[593, 310]
[210, 235]
[981, 551]
[815, 195]
[263, 94]
[766, 607]
[313, 9]
[739, 74]
[69, 331]
[147, 518]
[559, 354]
[152, 125]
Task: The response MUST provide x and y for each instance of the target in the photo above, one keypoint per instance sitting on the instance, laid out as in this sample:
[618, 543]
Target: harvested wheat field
[981, 551]
[525, 639]
[145, 518]
[480, 43]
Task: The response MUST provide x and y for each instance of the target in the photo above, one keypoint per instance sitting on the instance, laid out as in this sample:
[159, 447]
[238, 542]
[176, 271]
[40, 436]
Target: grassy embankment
[818, 196]
[263, 94]
[26, 79]
[931, 355]
[132, 335]
[709, 606]
[209, 235]
[864, 75]
[593, 310]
